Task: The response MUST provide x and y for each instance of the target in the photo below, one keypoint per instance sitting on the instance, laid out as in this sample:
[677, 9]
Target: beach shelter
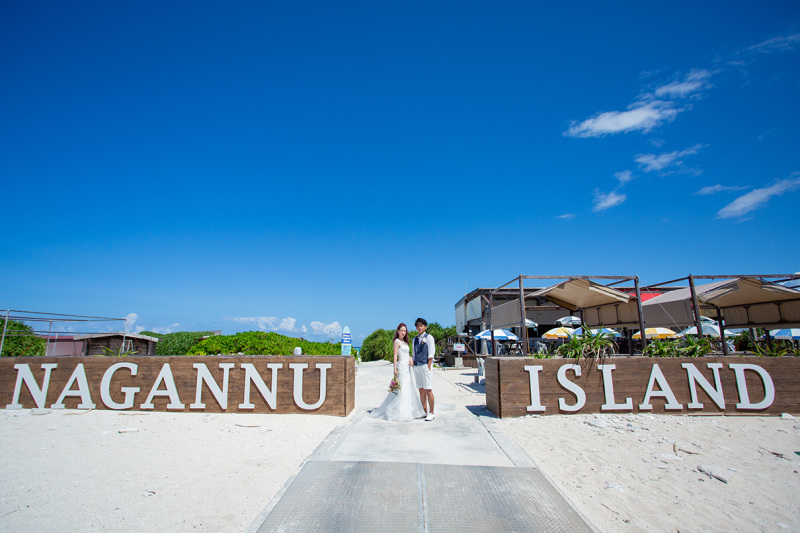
[744, 302]
[559, 333]
[656, 333]
[499, 335]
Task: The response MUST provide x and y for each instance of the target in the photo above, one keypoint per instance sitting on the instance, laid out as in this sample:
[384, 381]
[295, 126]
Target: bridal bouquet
[394, 385]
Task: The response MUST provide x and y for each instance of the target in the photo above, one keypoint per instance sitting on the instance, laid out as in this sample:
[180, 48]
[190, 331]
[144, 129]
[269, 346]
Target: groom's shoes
[430, 417]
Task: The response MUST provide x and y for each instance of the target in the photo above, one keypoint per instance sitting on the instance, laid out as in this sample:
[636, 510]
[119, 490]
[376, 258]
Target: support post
[641, 315]
[696, 306]
[721, 332]
[5, 327]
[523, 318]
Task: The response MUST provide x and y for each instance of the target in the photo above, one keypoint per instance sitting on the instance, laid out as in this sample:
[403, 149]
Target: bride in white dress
[405, 405]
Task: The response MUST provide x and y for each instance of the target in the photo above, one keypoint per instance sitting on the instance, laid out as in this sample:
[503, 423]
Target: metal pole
[5, 326]
[49, 331]
[523, 318]
[721, 332]
[641, 315]
[696, 305]
[124, 334]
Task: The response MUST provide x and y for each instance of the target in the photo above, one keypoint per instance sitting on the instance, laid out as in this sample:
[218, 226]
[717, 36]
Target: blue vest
[420, 352]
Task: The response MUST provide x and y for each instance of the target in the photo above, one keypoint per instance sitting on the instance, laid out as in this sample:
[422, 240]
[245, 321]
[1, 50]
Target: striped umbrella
[656, 333]
[606, 331]
[785, 334]
[559, 333]
[712, 330]
[568, 321]
[499, 335]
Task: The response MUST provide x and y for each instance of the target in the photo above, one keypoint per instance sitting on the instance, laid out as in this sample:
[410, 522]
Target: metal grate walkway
[331, 496]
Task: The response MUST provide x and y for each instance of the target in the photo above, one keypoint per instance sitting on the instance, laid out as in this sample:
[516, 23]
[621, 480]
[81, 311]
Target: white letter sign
[298, 384]
[741, 384]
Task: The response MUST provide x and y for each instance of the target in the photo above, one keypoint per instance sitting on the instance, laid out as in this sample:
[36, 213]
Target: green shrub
[261, 343]
[176, 343]
[377, 346]
[20, 340]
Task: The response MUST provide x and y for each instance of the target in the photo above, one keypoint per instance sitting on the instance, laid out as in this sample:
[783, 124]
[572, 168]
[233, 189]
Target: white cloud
[658, 162]
[626, 176]
[287, 324]
[333, 330]
[639, 117]
[165, 329]
[693, 83]
[714, 189]
[263, 322]
[757, 197]
[604, 201]
[777, 44]
[130, 322]
[566, 216]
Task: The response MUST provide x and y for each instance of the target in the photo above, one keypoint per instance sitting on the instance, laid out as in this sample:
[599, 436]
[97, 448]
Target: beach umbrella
[569, 321]
[712, 330]
[656, 333]
[559, 333]
[499, 335]
[785, 334]
[606, 331]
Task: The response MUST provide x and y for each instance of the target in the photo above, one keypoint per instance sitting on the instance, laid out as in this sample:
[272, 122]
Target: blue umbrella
[499, 335]
[607, 331]
[785, 334]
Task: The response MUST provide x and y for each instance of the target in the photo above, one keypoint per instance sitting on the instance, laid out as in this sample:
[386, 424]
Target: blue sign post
[347, 342]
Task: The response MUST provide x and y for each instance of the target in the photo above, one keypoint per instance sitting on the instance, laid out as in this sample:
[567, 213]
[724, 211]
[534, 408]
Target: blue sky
[304, 166]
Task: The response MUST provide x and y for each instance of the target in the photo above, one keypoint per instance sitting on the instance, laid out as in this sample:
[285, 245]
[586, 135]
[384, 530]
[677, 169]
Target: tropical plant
[662, 348]
[595, 345]
[692, 346]
[110, 352]
[573, 348]
[20, 340]
[773, 350]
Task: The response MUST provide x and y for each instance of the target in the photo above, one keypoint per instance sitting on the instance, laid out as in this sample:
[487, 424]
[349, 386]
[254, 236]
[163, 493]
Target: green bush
[176, 343]
[20, 340]
[377, 346]
[261, 343]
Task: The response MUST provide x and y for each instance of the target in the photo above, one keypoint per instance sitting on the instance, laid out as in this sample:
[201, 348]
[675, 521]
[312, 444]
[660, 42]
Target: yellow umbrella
[656, 333]
[559, 333]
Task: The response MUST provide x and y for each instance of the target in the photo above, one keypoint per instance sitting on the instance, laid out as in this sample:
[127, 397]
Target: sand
[645, 472]
[111, 471]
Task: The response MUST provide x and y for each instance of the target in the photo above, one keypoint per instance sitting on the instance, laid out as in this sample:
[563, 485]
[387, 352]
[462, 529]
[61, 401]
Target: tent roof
[580, 294]
[744, 302]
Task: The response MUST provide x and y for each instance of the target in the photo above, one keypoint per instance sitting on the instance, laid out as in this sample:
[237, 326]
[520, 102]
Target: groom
[424, 350]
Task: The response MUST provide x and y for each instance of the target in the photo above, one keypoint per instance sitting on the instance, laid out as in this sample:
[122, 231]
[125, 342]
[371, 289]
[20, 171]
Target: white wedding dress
[405, 405]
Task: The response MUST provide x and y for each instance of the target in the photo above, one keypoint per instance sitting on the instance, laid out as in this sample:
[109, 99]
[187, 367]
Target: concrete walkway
[456, 473]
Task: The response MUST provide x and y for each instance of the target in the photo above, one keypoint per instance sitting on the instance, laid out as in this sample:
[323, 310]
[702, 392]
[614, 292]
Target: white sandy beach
[112, 471]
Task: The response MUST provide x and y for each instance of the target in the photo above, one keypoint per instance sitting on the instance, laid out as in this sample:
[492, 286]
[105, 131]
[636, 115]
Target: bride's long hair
[397, 333]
